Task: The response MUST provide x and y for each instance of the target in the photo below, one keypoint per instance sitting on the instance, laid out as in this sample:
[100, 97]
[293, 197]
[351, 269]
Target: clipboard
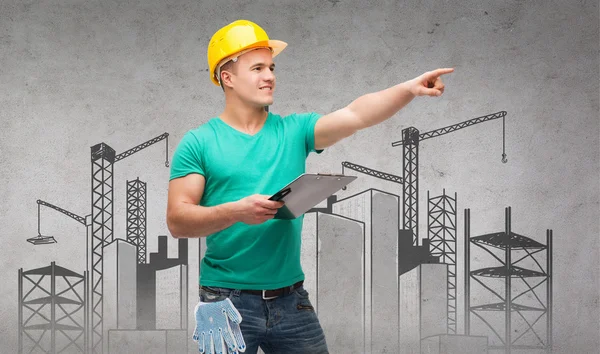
[306, 191]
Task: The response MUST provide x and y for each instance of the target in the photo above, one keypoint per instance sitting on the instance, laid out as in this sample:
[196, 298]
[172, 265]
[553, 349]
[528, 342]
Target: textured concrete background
[77, 73]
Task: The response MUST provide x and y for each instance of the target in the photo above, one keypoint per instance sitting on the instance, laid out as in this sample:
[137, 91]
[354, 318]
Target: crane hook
[504, 159]
[167, 151]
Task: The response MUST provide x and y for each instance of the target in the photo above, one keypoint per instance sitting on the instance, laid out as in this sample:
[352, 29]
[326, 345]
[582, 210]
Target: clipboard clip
[331, 174]
[282, 193]
[339, 176]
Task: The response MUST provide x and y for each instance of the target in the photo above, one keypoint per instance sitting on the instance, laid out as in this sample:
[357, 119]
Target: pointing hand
[429, 84]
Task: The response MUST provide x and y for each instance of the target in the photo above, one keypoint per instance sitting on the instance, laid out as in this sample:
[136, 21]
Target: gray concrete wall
[77, 73]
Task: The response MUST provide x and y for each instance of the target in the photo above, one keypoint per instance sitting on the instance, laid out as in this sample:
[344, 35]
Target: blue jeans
[286, 324]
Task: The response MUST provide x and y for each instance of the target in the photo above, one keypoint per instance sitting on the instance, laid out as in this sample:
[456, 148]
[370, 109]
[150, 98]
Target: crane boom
[78, 218]
[371, 172]
[145, 145]
[455, 127]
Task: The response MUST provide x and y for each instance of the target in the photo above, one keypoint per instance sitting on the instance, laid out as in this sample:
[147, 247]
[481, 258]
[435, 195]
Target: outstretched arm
[374, 108]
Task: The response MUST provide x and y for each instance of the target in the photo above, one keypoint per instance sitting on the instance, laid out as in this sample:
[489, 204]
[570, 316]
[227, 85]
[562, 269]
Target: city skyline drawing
[401, 285]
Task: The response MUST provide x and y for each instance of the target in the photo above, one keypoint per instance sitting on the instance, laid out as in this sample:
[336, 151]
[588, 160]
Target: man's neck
[244, 118]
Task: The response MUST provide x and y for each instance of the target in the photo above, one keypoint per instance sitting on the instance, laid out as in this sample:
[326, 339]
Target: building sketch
[423, 305]
[340, 266]
[157, 271]
[119, 284]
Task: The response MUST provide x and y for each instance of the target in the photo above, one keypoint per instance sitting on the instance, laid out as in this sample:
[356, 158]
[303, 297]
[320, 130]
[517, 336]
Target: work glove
[218, 328]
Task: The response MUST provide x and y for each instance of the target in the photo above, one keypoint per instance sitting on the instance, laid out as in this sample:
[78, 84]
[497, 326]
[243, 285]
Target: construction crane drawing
[410, 165]
[101, 224]
[410, 180]
[142, 146]
[42, 240]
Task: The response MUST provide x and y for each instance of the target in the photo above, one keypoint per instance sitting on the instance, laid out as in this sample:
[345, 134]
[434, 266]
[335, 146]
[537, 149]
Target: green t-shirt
[236, 165]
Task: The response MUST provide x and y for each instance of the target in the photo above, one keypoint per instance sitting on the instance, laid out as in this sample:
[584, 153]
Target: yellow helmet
[234, 39]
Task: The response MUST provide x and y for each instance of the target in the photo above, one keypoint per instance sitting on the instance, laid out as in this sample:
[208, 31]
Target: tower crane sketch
[410, 178]
[410, 165]
[101, 224]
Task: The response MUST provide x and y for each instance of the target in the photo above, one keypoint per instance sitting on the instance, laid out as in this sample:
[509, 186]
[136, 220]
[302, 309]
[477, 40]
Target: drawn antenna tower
[100, 227]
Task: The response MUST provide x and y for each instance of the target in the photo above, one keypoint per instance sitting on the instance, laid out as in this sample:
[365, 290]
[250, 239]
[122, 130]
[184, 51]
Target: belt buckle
[267, 298]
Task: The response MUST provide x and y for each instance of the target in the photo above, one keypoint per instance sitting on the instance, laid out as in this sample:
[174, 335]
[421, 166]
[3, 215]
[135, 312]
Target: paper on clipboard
[306, 191]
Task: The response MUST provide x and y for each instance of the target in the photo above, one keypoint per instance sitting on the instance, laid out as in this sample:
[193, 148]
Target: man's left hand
[429, 84]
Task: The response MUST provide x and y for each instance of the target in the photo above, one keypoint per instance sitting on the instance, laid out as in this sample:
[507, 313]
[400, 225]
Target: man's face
[253, 78]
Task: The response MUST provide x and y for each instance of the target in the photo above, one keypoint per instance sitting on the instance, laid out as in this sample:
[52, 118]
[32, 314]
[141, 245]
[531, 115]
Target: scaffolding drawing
[136, 217]
[52, 310]
[516, 307]
[442, 236]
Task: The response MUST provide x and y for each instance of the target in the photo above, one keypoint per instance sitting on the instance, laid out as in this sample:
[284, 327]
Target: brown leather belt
[272, 294]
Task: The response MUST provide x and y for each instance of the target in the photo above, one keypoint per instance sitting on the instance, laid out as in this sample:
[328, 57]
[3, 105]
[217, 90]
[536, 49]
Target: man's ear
[226, 79]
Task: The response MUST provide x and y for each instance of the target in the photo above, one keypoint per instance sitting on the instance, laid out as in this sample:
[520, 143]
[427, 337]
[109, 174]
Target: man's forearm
[374, 108]
[193, 221]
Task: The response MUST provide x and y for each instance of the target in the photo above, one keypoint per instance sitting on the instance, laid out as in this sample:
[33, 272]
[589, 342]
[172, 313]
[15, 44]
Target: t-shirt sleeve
[187, 157]
[308, 122]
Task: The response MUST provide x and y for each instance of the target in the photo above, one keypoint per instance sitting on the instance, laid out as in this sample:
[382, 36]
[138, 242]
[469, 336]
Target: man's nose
[269, 76]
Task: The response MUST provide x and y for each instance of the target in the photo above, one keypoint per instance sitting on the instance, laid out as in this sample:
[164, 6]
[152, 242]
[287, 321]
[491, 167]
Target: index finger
[440, 72]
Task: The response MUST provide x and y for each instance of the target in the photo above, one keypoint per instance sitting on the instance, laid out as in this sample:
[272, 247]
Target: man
[223, 173]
